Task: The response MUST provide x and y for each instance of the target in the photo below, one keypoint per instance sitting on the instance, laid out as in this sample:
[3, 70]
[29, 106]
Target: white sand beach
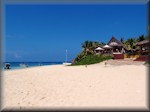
[59, 86]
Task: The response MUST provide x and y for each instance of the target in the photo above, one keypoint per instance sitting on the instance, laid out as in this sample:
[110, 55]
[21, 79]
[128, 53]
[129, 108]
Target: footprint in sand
[62, 100]
[22, 98]
[27, 92]
[42, 98]
[25, 96]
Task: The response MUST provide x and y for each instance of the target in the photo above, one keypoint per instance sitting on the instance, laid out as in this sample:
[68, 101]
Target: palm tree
[88, 47]
[122, 40]
[95, 44]
[141, 38]
[147, 37]
[80, 56]
[85, 46]
[102, 44]
[131, 43]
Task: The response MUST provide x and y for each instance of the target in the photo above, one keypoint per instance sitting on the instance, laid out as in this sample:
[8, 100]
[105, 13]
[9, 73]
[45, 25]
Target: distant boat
[66, 63]
[23, 65]
[7, 66]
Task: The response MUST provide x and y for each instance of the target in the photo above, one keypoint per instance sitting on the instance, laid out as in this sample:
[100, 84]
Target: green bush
[148, 63]
[92, 59]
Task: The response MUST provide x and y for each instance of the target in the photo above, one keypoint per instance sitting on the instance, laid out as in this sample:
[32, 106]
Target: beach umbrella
[107, 47]
[99, 49]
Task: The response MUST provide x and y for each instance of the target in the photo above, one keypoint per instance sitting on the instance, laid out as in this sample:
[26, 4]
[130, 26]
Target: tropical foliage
[141, 38]
[91, 59]
[87, 47]
[122, 40]
[87, 56]
[130, 43]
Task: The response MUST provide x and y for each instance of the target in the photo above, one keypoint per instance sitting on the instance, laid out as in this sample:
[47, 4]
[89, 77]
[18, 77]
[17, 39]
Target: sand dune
[59, 86]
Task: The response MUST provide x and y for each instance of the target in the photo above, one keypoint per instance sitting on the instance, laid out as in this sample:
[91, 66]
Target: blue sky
[44, 32]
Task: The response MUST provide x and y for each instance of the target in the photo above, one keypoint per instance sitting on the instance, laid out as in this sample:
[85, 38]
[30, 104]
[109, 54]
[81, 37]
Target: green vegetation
[92, 59]
[89, 46]
[131, 42]
[122, 40]
[147, 63]
[87, 56]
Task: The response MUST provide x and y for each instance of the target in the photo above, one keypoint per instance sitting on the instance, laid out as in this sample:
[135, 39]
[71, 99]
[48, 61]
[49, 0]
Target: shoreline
[27, 67]
[108, 65]
[100, 63]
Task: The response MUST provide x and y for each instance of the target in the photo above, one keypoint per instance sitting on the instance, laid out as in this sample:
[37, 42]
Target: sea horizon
[30, 61]
[18, 65]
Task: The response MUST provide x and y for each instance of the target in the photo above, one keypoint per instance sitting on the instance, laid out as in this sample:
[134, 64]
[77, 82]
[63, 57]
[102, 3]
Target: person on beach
[86, 65]
[73, 61]
[105, 63]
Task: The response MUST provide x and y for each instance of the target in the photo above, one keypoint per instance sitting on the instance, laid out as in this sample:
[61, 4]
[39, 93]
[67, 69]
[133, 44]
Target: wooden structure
[143, 58]
[144, 50]
[117, 46]
[118, 56]
[143, 46]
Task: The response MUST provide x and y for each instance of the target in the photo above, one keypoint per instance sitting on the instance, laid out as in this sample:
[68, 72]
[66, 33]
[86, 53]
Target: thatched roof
[143, 42]
[114, 42]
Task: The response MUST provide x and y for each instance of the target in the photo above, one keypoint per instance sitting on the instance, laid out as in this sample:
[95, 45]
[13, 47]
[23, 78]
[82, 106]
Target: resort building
[118, 49]
[143, 47]
[114, 47]
[117, 46]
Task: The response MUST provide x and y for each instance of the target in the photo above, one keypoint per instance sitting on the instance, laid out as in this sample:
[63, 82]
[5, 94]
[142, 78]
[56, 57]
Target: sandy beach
[59, 86]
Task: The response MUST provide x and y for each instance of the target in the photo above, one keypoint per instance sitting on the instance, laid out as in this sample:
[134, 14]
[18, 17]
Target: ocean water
[16, 65]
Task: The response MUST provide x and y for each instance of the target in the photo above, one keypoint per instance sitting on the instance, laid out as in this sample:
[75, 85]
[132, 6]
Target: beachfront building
[114, 46]
[117, 46]
[143, 47]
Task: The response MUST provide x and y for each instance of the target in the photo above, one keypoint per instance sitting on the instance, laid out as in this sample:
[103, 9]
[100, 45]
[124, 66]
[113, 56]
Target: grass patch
[92, 59]
[148, 63]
